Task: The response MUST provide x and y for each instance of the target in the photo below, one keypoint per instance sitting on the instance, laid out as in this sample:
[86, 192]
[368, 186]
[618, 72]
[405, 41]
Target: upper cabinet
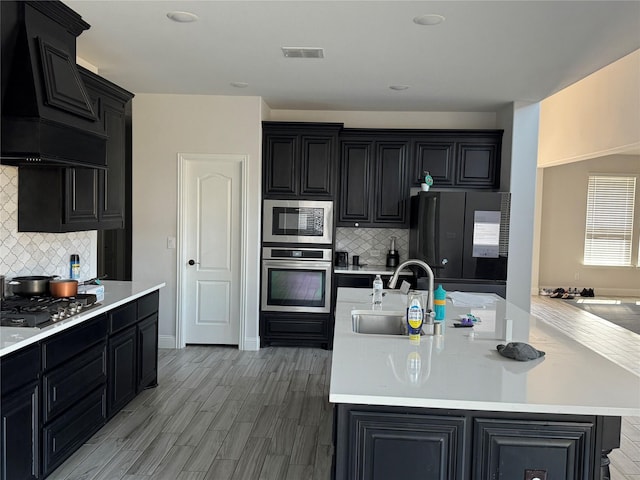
[59, 199]
[373, 181]
[467, 159]
[299, 159]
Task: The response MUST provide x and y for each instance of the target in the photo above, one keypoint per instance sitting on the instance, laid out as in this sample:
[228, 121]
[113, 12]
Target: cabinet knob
[357, 225]
[193, 262]
[445, 261]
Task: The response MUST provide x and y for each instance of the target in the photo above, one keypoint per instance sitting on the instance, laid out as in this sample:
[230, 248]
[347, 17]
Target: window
[609, 228]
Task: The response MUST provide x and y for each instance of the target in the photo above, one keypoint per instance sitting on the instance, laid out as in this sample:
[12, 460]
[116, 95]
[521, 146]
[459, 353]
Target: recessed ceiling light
[398, 87]
[239, 84]
[428, 19]
[182, 17]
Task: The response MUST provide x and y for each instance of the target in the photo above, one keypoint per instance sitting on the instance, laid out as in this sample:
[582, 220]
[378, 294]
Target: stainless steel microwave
[297, 221]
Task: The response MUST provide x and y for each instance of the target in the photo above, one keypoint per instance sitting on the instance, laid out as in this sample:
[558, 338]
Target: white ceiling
[484, 55]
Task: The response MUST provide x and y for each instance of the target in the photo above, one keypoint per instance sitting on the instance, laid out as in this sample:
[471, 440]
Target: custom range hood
[47, 116]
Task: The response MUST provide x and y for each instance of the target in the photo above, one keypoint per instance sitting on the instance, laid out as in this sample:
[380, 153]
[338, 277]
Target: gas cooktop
[41, 312]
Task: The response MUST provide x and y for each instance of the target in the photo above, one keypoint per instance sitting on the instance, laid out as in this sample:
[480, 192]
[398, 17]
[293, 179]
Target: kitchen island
[61, 383]
[451, 407]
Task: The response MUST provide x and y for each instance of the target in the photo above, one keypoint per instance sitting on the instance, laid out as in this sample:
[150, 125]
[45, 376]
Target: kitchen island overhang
[568, 402]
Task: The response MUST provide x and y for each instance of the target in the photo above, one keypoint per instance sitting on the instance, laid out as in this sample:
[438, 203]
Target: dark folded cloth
[519, 351]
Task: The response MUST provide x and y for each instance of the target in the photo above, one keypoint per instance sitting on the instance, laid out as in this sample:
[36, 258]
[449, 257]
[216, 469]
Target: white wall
[524, 153]
[599, 115]
[163, 126]
[564, 207]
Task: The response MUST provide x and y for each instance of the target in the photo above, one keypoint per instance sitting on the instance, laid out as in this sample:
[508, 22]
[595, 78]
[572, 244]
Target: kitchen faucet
[425, 267]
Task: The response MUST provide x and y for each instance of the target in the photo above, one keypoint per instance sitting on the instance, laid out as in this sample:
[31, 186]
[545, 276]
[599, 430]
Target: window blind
[609, 226]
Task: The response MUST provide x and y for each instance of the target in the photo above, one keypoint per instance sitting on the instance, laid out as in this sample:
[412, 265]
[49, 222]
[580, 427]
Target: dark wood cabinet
[373, 181]
[60, 391]
[299, 159]
[511, 449]
[59, 199]
[377, 441]
[402, 445]
[283, 328]
[74, 384]
[19, 415]
[147, 341]
[122, 369]
[468, 159]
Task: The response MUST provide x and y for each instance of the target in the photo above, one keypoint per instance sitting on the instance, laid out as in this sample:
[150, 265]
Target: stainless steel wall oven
[296, 279]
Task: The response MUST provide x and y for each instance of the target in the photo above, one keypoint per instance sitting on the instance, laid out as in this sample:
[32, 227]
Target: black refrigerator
[463, 237]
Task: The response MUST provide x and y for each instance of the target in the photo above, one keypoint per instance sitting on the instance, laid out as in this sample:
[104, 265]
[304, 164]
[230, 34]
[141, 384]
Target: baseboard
[252, 343]
[604, 292]
[166, 341]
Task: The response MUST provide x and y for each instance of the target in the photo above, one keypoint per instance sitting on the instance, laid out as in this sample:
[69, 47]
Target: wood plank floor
[220, 413]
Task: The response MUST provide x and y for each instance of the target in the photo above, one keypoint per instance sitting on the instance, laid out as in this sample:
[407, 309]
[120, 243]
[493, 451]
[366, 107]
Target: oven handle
[301, 264]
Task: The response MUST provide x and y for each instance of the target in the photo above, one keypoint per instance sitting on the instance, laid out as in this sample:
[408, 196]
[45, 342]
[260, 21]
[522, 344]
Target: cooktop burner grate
[42, 311]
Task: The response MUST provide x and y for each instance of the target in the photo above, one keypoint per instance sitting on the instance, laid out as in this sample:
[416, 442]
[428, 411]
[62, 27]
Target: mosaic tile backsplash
[31, 253]
[372, 244]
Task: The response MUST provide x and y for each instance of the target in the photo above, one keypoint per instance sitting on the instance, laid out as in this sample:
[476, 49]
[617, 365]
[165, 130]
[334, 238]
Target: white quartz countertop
[115, 294]
[462, 369]
[369, 270]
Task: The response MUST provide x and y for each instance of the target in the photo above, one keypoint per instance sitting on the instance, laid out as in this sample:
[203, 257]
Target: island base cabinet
[148, 352]
[396, 445]
[379, 442]
[511, 449]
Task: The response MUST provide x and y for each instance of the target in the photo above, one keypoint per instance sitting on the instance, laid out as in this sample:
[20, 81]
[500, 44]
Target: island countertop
[116, 293]
[463, 370]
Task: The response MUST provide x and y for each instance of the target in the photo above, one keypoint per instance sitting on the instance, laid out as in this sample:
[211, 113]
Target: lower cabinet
[147, 342]
[373, 442]
[57, 393]
[20, 434]
[122, 369]
[296, 329]
[20, 414]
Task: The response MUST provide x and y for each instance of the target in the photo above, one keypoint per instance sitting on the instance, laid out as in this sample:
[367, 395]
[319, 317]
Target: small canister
[74, 267]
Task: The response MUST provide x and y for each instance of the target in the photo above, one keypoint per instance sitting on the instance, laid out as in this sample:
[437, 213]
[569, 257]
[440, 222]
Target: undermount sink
[379, 322]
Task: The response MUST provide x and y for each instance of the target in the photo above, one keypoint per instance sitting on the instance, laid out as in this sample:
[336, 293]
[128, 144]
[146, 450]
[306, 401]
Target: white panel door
[213, 246]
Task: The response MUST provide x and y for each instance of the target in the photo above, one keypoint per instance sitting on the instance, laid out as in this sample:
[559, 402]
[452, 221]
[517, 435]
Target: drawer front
[302, 329]
[122, 317]
[73, 381]
[19, 368]
[148, 305]
[69, 343]
[63, 436]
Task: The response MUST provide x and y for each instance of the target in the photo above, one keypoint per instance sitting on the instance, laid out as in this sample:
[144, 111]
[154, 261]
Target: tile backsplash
[372, 244]
[34, 253]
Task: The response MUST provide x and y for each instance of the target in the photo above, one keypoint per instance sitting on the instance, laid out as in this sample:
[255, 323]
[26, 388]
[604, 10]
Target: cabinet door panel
[437, 158]
[69, 383]
[505, 449]
[122, 369]
[64, 435]
[113, 179]
[477, 165]
[19, 434]
[317, 166]
[81, 203]
[407, 446]
[391, 191]
[280, 168]
[355, 182]
[148, 352]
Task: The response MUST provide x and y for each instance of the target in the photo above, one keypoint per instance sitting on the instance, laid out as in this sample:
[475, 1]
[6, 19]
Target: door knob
[193, 262]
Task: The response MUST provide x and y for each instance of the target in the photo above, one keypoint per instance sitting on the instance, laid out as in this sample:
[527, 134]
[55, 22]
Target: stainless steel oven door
[297, 221]
[296, 286]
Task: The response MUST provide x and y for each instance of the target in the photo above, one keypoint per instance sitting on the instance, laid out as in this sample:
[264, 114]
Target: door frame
[181, 257]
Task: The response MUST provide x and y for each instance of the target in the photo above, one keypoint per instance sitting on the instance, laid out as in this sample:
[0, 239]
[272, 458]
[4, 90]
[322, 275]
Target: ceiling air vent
[303, 52]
